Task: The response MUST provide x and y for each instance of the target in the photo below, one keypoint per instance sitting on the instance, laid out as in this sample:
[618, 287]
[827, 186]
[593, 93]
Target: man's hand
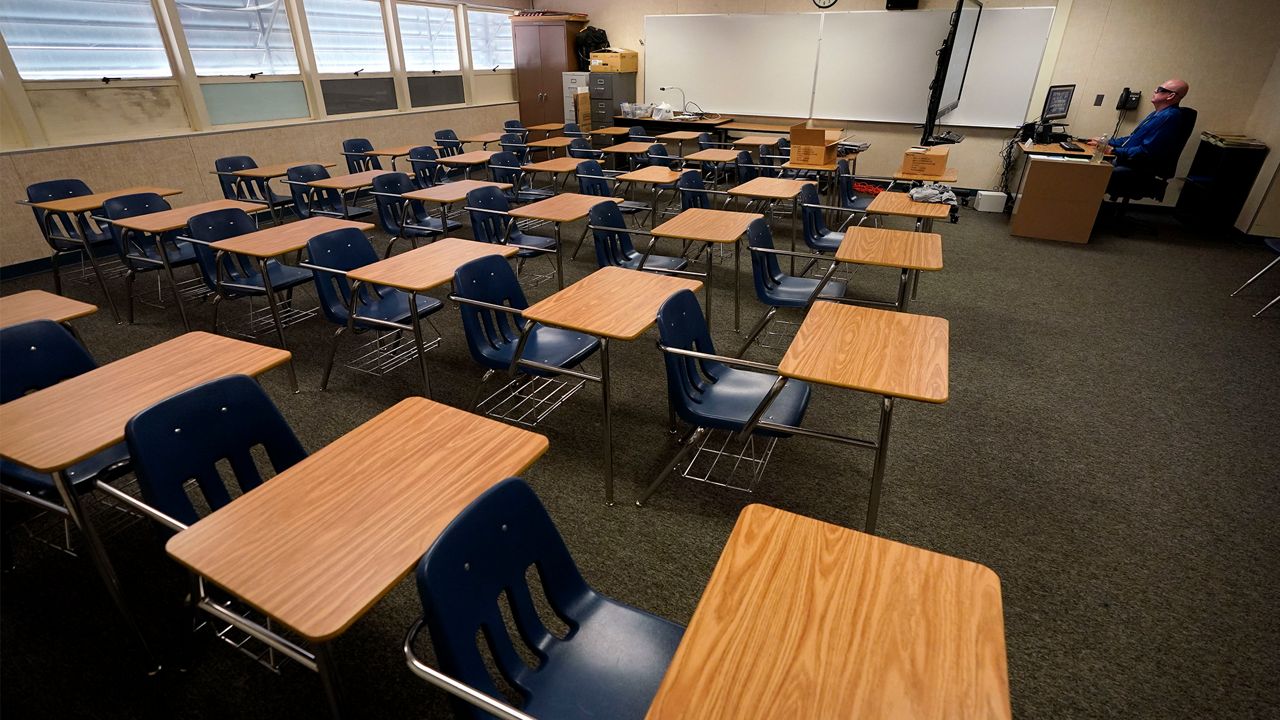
[1093, 142]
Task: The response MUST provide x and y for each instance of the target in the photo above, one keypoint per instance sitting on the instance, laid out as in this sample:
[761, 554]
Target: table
[268, 173]
[700, 124]
[756, 127]
[551, 143]
[316, 546]
[448, 193]
[468, 160]
[1059, 198]
[909, 251]
[949, 175]
[769, 191]
[415, 272]
[80, 205]
[712, 226]
[831, 169]
[611, 303]
[274, 242]
[392, 152]
[716, 157]
[555, 167]
[654, 175]
[891, 354]
[901, 204]
[756, 140]
[547, 128]
[40, 305]
[613, 131]
[55, 428]
[157, 223]
[563, 208]
[632, 147]
[679, 136]
[483, 138]
[803, 619]
[353, 183]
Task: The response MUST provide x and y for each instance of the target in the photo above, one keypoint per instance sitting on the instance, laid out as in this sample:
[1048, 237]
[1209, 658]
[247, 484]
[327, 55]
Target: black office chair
[1151, 182]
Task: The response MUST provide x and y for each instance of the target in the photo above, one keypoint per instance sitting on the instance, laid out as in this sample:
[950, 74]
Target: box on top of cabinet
[615, 60]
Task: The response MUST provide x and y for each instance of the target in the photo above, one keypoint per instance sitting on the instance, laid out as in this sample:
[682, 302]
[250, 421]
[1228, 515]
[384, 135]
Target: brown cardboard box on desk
[928, 161]
[615, 60]
[813, 146]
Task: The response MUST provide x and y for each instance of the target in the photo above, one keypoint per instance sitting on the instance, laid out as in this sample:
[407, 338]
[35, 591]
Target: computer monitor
[1057, 102]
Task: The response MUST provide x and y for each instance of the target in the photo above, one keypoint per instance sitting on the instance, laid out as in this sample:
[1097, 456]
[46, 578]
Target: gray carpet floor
[1109, 448]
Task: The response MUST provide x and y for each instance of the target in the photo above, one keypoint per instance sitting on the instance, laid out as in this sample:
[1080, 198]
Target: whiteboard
[869, 65]
[741, 63]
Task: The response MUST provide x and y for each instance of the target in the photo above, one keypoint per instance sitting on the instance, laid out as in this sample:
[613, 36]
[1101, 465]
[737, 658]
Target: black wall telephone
[1129, 99]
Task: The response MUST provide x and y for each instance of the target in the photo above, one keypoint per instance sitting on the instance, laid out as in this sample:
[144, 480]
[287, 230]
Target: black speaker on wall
[901, 4]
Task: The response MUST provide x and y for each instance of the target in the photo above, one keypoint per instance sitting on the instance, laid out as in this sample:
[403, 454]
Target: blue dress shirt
[1152, 141]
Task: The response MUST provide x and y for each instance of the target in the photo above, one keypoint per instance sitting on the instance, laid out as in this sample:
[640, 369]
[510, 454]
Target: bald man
[1152, 149]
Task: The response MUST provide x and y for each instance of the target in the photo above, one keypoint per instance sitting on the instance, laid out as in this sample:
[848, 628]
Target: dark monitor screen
[958, 49]
[1057, 102]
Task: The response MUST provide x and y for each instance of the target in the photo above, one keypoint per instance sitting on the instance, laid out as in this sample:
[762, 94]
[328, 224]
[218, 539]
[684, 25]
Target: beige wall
[1106, 45]
[1261, 212]
[186, 161]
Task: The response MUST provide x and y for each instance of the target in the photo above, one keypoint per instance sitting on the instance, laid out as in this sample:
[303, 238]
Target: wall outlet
[1097, 101]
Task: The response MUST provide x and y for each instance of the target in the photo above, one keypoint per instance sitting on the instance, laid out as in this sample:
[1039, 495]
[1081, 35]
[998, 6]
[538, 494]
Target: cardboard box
[813, 146]
[930, 161]
[582, 108]
[615, 60]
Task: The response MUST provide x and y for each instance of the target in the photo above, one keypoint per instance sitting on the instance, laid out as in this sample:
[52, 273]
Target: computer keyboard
[1068, 145]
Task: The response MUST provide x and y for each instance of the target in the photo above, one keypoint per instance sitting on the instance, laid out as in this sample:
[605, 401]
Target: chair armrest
[295, 182]
[141, 507]
[356, 154]
[829, 207]
[468, 208]
[320, 268]
[629, 231]
[784, 253]
[738, 362]
[487, 305]
[184, 238]
[395, 196]
[717, 143]
[606, 178]
[705, 191]
[462, 691]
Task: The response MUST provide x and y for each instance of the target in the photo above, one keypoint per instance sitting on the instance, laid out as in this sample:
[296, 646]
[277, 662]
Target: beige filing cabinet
[1060, 199]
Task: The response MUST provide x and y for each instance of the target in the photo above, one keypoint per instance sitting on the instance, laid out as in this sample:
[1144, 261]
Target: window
[491, 45]
[80, 39]
[235, 37]
[429, 36]
[347, 36]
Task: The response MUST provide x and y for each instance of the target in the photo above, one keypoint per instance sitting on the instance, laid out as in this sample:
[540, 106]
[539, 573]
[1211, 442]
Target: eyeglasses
[1166, 91]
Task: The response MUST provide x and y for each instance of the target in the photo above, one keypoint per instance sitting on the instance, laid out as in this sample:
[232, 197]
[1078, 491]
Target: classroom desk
[949, 175]
[696, 124]
[716, 157]
[483, 138]
[547, 128]
[803, 619]
[830, 169]
[768, 191]
[392, 152]
[886, 353]
[560, 209]
[908, 251]
[268, 173]
[352, 183]
[633, 147]
[614, 132]
[447, 194]
[52, 429]
[272, 242]
[655, 175]
[319, 544]
[157, 223]
[415, 272]
[82, 205]
[679, 136]
[751, 141]
[468, 160]
[40, 305]
[713, 226]
[551, 143]
[1058, 198]
[901, 205]
[611, 303]
[555, 167]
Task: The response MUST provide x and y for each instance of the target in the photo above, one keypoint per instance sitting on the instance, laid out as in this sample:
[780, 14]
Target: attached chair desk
[467, 160]
[679, 136]
[908, 251]
[551, 143]
[901, 205]
[40, 305]
[483, 138]
[319, 544]
[655, 175]
[802, 619]
[560, 209]
[353, 183]
[712, 227]
[415, 272]
[52, 429]
[768, 191]
[447, 194]
[611, 303]
[391, 152]
[555, 167]
[268, 173]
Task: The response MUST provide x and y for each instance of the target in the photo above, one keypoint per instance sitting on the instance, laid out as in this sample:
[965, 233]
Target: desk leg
[102, 282]
[173, 283]
[926, 225]
[444, 219]
[710, 267]
[275, 317]
[608, 421]
[877, 472]
[904, 281]
[737, 285]
[328, 672]
[102, 563]
[559, 259]
[417, 341]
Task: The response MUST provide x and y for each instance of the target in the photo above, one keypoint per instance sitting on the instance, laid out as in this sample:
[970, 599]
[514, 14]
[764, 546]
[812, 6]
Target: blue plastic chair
[493, 335]
[714, 392]
[817, 235]
[694, 193]
[572, 130]
[504, 167]
[67, 234]
[613, 242]
[428, 171]
[187, 435]
[140, 253]
[354, 151]
[706, 143]
[401, 218]
[36, 355]
[659, 156]
[514, 144]
[448, 142]
[514, 126]
[581, 148]
[234, 276]
[490, 222]
[775, 288]
[636, 133]
[251, 190]
[608, 664]
[309, 201]
[332, 254]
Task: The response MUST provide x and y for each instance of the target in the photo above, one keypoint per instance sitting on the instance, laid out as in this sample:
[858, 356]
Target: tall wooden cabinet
[544, 50]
